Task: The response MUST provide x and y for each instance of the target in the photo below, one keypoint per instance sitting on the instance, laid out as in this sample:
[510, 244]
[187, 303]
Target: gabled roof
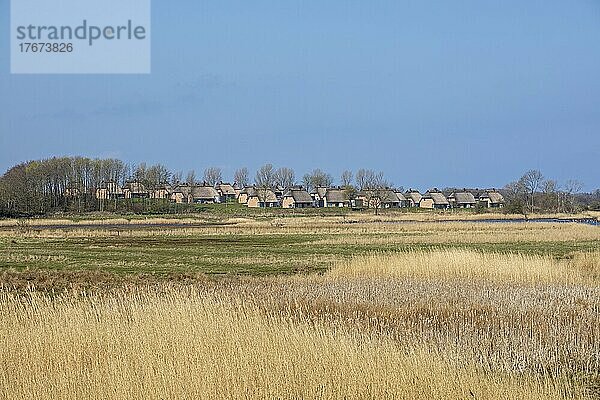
[385, 195]
[336, 196]
[414, 195]
[401, 196]
[463, 198]
[320, 191]
[269, 198]
[437, 197]
[225, 189]
[204, 192]
[182, 188]
[299, 195]
[495, 197]
[389, 196]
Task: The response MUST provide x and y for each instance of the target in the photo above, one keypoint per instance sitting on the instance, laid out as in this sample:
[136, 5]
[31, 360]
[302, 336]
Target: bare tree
[212, 176]
[190, 179]
[572, 186]
[241, 177]
[285, 178]
[374, 188]
[532, 181]
[346, 179]
[551, 197]
[317, 178]
[517, 197]
[361, 179]
[176, 177]
[265, 181]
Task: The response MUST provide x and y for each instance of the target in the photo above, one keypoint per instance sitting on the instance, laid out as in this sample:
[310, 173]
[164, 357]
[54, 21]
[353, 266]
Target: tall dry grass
[198, 346]
[474, 266]
[445, 324]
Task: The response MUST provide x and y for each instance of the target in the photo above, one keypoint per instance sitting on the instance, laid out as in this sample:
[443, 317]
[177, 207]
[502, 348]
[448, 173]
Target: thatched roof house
[336, 197]
[226, 192]
[245, 193]
[161, 192]
[491, 199]
[384, 198]
[318, 195]
[181, 193]
[434, 199]
[261, 198]
[404, 202]
[414, 197]
[297, 198]
[462, 200]
[205, 195]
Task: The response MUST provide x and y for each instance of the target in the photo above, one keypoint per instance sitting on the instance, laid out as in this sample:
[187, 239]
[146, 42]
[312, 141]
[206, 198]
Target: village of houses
[299, 197]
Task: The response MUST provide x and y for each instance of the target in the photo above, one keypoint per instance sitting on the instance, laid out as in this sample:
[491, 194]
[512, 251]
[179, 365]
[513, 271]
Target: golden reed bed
[448, 324]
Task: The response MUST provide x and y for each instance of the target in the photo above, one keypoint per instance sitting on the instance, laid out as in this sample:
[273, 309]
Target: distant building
[205, 195]
[297, 198]
[162, 192]
[110, 191]
[384, 198]
[404, 202]
[262, 198]
[462, 200]
[413, 197]
[181, 193]
[135, 190]
[434, 199]
[226, 192]
[336, 197]
[491, 199]
[318, 195]
[245, 193]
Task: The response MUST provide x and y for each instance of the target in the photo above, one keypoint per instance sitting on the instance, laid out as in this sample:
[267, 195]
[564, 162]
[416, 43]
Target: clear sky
[433, 93]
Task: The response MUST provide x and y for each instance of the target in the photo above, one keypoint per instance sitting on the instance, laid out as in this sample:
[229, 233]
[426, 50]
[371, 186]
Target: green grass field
[260, 247]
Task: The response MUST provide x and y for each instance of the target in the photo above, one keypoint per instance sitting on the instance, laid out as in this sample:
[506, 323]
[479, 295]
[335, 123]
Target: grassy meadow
[312, 306]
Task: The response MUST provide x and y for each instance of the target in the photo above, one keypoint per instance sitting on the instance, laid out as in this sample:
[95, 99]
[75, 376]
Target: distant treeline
[69, 184]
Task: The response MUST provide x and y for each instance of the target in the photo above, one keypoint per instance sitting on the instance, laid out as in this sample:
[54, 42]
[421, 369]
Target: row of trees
[533, 193]
[70, 183]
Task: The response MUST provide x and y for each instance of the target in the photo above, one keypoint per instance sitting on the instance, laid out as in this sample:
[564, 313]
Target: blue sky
[433, 93]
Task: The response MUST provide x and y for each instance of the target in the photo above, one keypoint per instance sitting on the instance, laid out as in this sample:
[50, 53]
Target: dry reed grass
[473, 266]
[418, 325]
[193, 345]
